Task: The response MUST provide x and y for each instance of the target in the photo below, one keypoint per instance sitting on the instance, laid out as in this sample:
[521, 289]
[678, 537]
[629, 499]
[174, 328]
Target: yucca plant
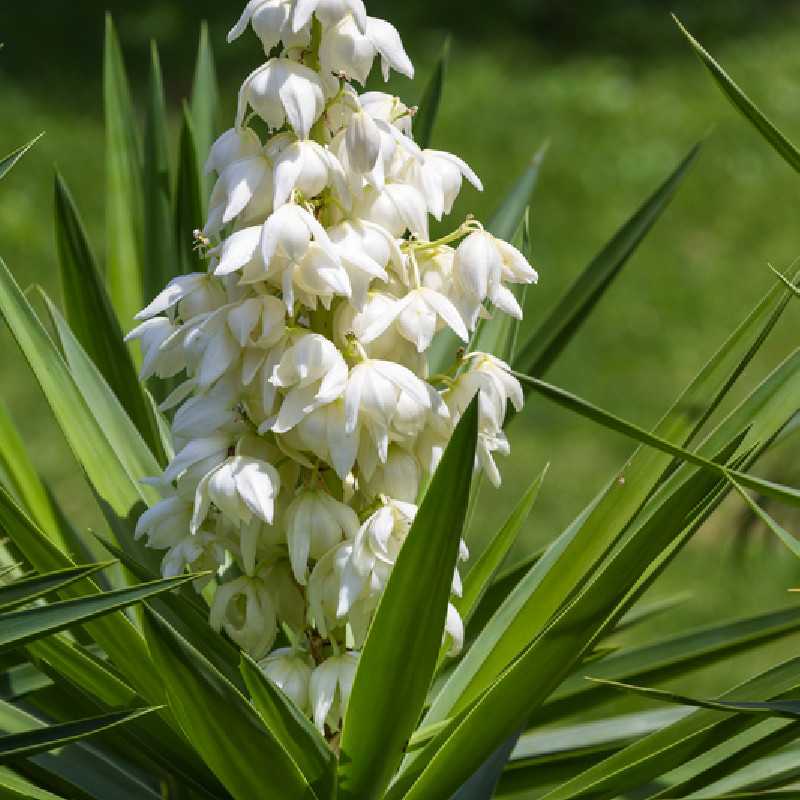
[346, 657]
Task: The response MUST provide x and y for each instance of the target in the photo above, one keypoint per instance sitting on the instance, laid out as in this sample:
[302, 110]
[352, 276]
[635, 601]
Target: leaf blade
[743, 103]
[378, 724]
[556, 331]
[40, 740]
[123, 186]
[218, 720]
[430, 102]
[20, 627]
[91, 316]
[10, 161]
[290, 727]
[26, 590]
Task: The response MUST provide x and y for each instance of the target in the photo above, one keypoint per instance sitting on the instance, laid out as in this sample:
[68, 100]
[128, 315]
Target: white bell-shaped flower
[315, 523]
[491, 377]
[483, 261]
[233, 145]
[323, 433]
[205, 453]
[327, 585]
[375, 549]
[297, 256]
[438, 176]
[238, 250]
[364, 251]
[387, 43]
[399, 477]
[398, 207]
[388, 108]
[258, 321]
[200, 552]
[210, 347]
[377, 394]
[363, 142]
[272, 23]
[328, 12]
[241, 488]
[165, 523]
[290, 231]
[283, 90]
[313, 373]
[416, 318]
[386, 153]
[309, 168]
[389, 346]
[329, 690]
[245, 608]
[242, 192]
[189, 295]
[210, 412]
[453, 631]
[346, 49]
[151, 335]
[290, 670]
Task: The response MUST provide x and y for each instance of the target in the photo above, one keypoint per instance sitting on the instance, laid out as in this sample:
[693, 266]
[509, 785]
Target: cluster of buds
[307, 421]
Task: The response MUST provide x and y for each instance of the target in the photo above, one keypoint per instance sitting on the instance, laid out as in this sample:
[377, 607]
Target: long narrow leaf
[10, 161]
[407, 624]
[678, 743]
[560, 326]
[205, 102]
[77, 420]
[789, 709]
[478, 580]
[19, 627]
[610, 421]
[40, 740]
[124, 206]
[160, 264]
[790, 541]
[115, 634]
[478, 729]
[744, 104]
[22, 480]
[507, 218]
[543, 590]
[188, 197]
[668, 658]
[68, 659]
[29, 589]
[429, 103]
[219, 722]
[15, 787]
[92, 319]
[298, 737]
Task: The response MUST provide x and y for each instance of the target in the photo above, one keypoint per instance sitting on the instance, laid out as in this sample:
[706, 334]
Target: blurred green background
[617, 92]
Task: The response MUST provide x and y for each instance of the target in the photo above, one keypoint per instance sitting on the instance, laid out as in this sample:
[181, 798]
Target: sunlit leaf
[744, 104]
[408, 624]
[558, 328]
[123, 199]
[188, 197]
[9, 162]
[92, 319]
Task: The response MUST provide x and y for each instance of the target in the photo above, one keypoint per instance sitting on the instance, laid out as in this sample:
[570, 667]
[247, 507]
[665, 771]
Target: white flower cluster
[308, 421]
